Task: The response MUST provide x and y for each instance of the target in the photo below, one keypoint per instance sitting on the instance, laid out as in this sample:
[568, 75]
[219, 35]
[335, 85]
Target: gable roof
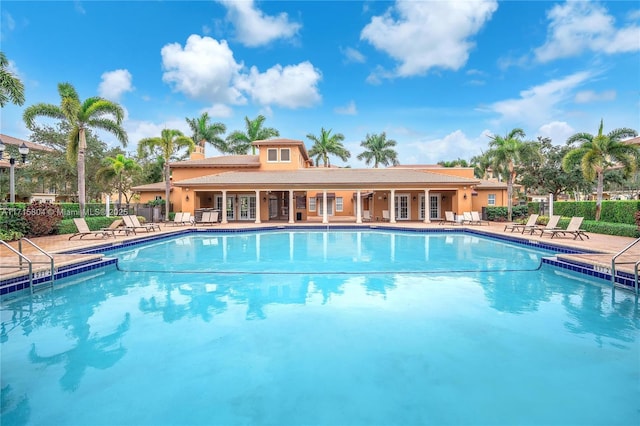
[284, 142]
[10, 140]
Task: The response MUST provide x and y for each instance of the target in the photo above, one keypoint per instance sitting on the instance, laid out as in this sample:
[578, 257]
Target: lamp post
[23, 150]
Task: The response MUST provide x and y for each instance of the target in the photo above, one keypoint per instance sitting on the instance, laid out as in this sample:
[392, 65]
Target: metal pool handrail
[613, 264]
[21, 257]
[34, 245]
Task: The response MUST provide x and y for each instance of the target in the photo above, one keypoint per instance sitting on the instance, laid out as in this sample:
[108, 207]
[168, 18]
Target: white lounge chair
[83, 230]
[466, 218]
[118, 226]
[132, 222]
[449, 218]
[476, 220]
[552, 225]
[366, 216]
[177, 219]
[385, 216]
[208, 218]
[529, 226]
[572, 229]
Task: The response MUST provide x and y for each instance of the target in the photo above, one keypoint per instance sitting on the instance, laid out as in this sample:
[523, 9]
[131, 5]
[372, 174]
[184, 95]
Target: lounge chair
[117, 226]
[132, 222]
[475, 217]
[385, 216]
[366, 216]
[208, 218]
[552, 225]
[187, 219]
[177, 219]
[83, 230]
[449, 218]
[529, 226]
[572, 229]
[466, 218]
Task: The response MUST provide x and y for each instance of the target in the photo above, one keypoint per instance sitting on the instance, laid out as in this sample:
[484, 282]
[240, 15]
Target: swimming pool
[323, 328]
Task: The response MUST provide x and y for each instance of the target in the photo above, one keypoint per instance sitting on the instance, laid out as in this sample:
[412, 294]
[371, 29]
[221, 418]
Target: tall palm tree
[204, 131]
[599, 153]
[327, 144]
[379, 150]
[115, 168]
[504, 154]
[239, 142]
[11, 88]
[94, 112]
[167, 146]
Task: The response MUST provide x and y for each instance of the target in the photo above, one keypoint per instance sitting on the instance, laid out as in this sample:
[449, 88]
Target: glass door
[247, 207]
[402, 207]
[434, 206]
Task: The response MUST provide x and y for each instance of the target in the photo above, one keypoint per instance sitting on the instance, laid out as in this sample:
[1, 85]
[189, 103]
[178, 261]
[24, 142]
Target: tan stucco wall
[295, 162]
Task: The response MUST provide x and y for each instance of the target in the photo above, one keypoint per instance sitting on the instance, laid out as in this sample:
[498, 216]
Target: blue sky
[438, 77]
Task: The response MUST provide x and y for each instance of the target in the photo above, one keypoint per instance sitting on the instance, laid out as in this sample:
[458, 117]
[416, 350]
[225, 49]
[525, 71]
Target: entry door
[402, 207]
[329, 206]
[229, 207]
[434, 206]
[247, 204]
[273, 208]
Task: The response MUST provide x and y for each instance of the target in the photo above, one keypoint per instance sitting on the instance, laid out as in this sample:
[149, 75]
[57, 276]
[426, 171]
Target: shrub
[499, 214]
[42, 218]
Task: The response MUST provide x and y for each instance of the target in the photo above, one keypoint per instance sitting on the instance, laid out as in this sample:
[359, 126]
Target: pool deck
[602, 247]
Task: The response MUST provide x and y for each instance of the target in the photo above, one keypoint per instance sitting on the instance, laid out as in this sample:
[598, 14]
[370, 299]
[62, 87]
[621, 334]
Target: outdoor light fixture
[465, 196]
[187, 197]
[23, 150]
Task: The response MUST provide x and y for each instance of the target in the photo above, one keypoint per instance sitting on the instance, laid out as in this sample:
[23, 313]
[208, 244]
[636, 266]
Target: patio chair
[385, 216]
[366, 216]
[177, 219]
[118, 226]
[572, 229]
[83, 230]
[552, 225]
[466, 218]
[187, 219]
[449, 218]
[132, 222]
[529, 226]
[208, 218]
[475, 217]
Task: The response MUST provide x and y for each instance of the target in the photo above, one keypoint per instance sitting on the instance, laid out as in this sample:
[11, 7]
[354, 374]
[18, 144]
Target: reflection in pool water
[420, 345]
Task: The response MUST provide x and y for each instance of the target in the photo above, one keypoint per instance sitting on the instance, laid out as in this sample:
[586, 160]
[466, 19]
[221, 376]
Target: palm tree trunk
[510, 198]
[599, 194]
[81, 171]
[120, 191]
[167, 188]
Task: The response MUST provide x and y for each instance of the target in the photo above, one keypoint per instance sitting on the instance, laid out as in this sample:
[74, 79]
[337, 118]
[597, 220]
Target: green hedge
[622, 212]
[499, 214]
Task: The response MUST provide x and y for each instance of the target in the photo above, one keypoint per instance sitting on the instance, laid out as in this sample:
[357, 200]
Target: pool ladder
[23, 259]
[636, 265]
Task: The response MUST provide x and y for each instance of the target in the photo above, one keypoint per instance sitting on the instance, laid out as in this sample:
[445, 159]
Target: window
[312, 204]
[285, 155]
[491, 199]
[272, 155]
[339, 204]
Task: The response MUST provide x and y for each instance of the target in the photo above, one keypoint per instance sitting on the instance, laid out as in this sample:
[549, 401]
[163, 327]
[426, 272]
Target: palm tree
[94, 112]
[114, 167]
[239, 142]
[379, 150]
[204, 131]
[599, 153]
[167, 146]
[11, 88]
[504, 154]
[327, 144]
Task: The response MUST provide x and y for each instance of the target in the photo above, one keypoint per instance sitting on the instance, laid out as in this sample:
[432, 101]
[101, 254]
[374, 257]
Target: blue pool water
[342, 328]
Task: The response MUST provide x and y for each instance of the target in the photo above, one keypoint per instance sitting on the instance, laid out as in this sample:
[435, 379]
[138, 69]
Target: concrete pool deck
[601, 248]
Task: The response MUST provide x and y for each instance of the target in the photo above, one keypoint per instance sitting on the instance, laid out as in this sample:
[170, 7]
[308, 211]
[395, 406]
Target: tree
[115, 168]
[11, 88]
[378, 150]
[327, 144]
[504, 154]
[166, 146]
[239, 142]
[204, 131]
[599, 153]
[454, 163]
[94, 112]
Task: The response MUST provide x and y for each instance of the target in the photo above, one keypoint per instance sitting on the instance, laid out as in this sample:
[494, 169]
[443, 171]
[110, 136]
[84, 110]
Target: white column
[224, 206]
[292, 207]
[427, 207]
[392, 207]
[358, 208]
[258, 206]
[324, 207]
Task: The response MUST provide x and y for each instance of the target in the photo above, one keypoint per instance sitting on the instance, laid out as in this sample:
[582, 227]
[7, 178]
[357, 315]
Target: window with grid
[339, 204]
[491, 199]
[312, 204]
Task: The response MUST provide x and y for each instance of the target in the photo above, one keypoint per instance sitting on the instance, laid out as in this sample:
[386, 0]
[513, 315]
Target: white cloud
[292, 86]
[579, 26]
[219, 111]
[114, 84]
[450, 147]
[422, 35]
[349, 109]
[558, 131]
[587, 96]
[353, 55]
[254, 28]
[539, 103]
[204, 69]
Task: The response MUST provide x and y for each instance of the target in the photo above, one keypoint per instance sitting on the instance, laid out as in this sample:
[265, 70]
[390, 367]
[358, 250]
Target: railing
[21, 258]
[34, 245]
[613, 264]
